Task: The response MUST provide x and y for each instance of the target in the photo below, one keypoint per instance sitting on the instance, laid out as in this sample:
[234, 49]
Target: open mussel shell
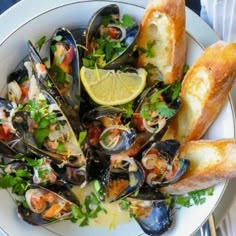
[117, 138]
[106, 131]
[73, 175]
[157, 220]
[161, 163]
[106, 114]
[7, 151]
[47, 84]
[97, 19]
[65, 66]
[105, 21]
[41, 74]
[70, 155]
[124, 176]
[155, 107]
[45, 206]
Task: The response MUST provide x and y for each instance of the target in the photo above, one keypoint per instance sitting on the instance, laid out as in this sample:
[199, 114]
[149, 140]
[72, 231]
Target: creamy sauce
[114, 215]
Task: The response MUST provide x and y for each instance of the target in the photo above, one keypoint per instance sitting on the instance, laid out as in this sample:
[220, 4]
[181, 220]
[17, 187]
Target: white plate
[74, 16]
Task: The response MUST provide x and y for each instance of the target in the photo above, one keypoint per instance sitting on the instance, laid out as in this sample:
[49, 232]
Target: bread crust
[204, 91]
[169, 35]
[211, 162]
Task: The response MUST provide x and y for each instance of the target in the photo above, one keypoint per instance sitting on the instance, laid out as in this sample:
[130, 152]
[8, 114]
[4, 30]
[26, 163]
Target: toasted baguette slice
[204, 91]
[163, 25]
[210, 163]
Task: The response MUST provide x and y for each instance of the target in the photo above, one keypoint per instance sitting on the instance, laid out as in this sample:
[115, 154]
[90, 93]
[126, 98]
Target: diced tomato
[41, 67]
[5, 133]
[24, 91]
[138, 121]
[113, 32]
[94, 133]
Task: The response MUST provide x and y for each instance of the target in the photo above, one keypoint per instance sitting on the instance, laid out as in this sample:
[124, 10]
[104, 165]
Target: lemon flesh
[110, 87]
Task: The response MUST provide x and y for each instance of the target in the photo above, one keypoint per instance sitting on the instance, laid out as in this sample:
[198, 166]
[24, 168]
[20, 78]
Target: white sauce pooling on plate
[114, 215]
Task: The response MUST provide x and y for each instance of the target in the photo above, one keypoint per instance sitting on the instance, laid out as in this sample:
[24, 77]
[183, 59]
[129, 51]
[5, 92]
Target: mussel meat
[124, 176]
[45, 206]
[154, 217]
[106, 131]
[50, 136]
[65, 66]
[161, 163]
[107, 33]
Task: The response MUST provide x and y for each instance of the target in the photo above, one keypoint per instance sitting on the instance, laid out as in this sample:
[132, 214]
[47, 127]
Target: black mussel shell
[160, 160]
[38, 214]
[73, 175]
[158, 221]
[65, 47]
[105, 20]
[122, 180]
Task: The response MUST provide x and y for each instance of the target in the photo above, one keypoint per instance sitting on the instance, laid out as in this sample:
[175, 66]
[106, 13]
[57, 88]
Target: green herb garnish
[194, 198]
[127, 21]
[41, 42]
[90, 210]
[148, 49]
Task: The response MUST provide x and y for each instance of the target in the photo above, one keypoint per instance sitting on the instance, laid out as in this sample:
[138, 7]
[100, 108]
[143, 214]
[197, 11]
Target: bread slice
[211, 161]
[204, 91]
[163, 27]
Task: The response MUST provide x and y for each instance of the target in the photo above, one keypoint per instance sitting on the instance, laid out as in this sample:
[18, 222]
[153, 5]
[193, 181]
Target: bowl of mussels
[77, 155]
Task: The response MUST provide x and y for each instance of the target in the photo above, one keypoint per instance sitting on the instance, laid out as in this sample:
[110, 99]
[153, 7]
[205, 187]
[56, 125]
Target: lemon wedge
[110, 87]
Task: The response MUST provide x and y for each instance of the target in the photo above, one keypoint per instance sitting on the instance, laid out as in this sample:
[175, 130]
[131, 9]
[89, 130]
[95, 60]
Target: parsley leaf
[40, 42]
[148, 49]
[128, 108]
[127, 21]
[195, 197]
[41, 134]
[57, 38]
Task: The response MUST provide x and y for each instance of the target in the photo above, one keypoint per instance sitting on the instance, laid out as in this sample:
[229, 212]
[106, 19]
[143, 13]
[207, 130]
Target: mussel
[106, 131]
[73, 175]
[153, 110]
[47, 84]
[124, 176]
[50, 136]
[45, 206]
[108, 34]
[156, 105]
[161, 163]
[154, 217]
[65, 66]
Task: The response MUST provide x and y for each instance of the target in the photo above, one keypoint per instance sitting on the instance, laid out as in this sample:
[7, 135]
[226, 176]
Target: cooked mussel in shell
[45, 207]
[42, 75]
[107, 33]
[124, 176]
[65, 66]
[51, 135]
[156, 105]
[161, 163]
[106, 130]
[154, 217]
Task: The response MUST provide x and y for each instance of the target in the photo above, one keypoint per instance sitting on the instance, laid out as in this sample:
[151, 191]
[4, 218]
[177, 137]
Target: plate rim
[142, 7]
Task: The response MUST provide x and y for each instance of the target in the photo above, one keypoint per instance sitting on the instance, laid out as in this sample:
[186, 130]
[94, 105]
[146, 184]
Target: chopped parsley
[148, 49]
[88, 210]
[127, 21]
[58, 75]
[128, 108]
[194, 198]
[41, 42]
[17, 184]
